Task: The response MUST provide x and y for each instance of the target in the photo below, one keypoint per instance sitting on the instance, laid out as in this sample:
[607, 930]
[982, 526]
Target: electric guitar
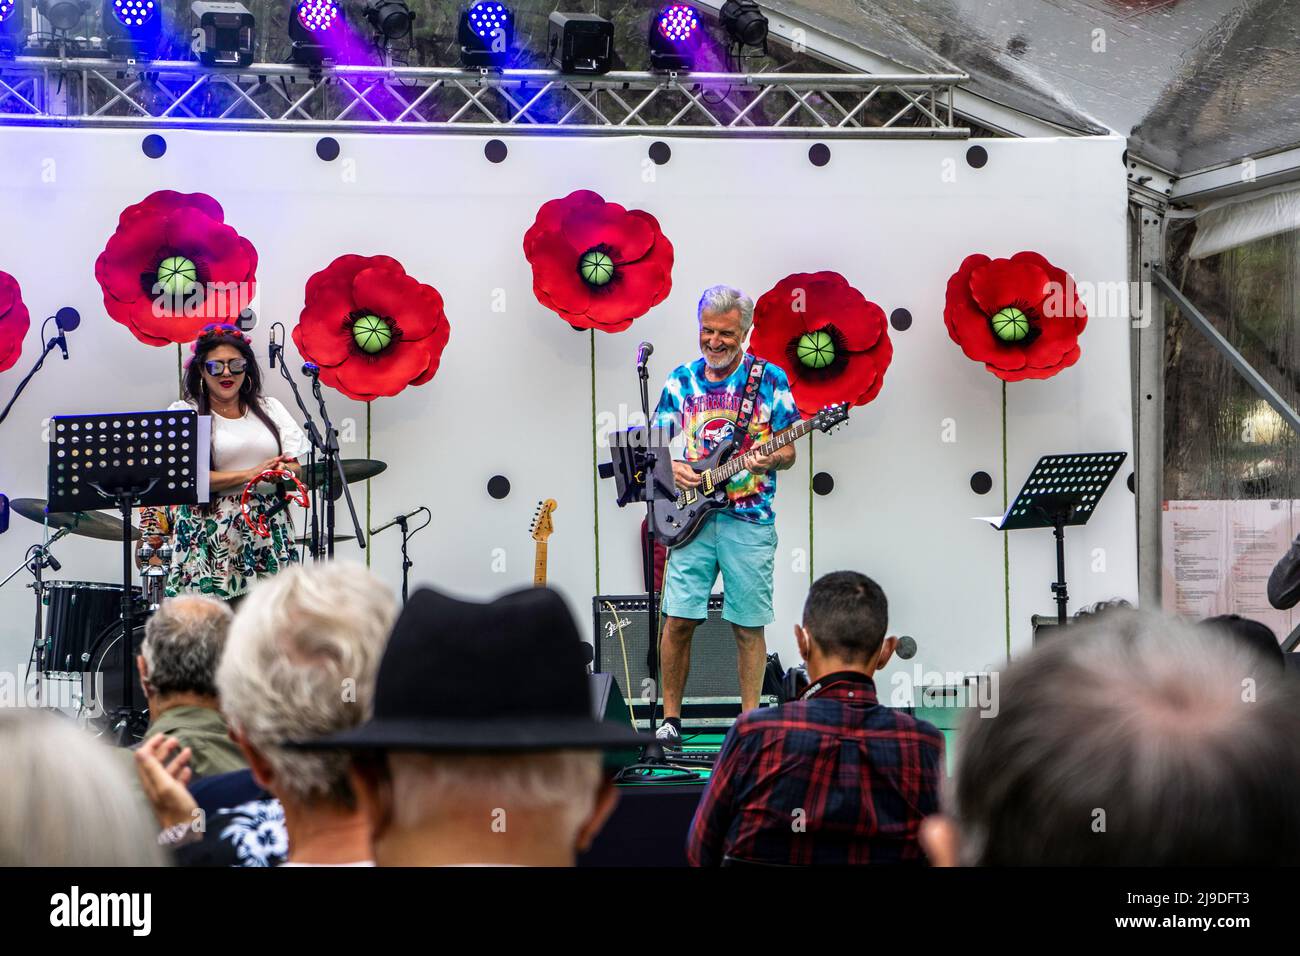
[677, 520]
[541, 529]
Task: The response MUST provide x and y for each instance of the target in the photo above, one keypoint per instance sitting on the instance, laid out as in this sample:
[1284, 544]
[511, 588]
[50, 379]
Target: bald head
[182, 645]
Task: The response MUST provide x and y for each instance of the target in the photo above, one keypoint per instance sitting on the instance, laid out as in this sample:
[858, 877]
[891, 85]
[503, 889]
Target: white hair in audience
[64, 800]
[561, 783]
[300, 663]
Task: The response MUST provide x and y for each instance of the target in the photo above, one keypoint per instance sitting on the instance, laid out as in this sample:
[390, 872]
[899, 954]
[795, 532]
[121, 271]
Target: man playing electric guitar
[705, 400]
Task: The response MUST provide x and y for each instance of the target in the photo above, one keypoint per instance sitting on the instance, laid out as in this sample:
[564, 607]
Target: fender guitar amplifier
[712, 697]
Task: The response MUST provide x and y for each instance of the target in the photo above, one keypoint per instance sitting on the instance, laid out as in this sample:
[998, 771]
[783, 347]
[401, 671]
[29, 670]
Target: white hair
[300, 663]
[721, 299]
[561, 784]
[65, 800]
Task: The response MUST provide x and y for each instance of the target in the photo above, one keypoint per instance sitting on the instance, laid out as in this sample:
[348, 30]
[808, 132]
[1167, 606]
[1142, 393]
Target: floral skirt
[218, 554]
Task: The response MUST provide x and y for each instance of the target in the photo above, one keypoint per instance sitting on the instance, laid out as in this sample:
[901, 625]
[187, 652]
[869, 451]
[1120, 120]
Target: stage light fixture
[223, 33]
[316, 29]
[63, 15]
[11, 28]
[486, 34]
[580, 42]
[133, 28]
[391, 19]
[744, 23]
[674, 36]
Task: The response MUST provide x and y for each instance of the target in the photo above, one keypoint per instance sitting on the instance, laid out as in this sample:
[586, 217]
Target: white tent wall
[513, 396]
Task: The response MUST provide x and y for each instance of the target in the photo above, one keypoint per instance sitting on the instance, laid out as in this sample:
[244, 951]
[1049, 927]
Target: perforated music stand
[1062, 490]
[131, 459]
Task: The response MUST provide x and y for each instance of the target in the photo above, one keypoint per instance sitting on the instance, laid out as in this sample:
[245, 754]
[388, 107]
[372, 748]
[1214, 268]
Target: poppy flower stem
[1006, 544]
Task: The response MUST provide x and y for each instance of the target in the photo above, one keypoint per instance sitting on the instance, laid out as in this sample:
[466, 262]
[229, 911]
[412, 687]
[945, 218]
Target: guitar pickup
[708, 482]
[687, 498]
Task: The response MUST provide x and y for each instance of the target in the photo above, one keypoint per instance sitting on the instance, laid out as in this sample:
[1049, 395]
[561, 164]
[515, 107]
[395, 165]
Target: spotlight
[133, 28]
[316, 30]
[391, 19]
[580, 42]
[63, 15]
[11, 28]
[674, 35]
[744, 23]
[486, 34]
[223, 33]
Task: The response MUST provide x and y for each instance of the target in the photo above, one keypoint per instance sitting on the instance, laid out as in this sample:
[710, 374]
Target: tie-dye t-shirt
[707, 411]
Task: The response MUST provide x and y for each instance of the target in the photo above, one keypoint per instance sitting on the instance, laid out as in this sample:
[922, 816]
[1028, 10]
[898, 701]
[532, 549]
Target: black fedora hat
[460, 676]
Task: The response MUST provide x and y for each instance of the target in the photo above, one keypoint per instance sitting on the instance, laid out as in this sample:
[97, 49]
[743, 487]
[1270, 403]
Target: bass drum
[102, 688]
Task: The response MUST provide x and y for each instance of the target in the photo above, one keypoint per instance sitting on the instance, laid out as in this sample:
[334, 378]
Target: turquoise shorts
[743, 551]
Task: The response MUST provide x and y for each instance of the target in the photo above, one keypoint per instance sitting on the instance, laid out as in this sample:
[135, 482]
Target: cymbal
[354, 470]
[306, 538]
[91, 524]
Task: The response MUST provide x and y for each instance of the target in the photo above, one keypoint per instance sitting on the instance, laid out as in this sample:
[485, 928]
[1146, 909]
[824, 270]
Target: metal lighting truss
[53, 91]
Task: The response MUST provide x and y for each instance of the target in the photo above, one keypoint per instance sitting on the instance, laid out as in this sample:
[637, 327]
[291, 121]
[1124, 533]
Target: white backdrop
[514, 395]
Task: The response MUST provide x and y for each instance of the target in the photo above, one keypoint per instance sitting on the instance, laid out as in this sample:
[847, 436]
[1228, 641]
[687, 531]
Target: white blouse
[239, 443]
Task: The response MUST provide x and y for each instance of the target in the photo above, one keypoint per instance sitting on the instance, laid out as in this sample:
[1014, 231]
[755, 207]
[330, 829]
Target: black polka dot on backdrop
[496, 151]
[981, 483]
[900, 319]
[977, 157]
[498, 486]
[660, 152]
[823, 483]
[327, 148]
[819, 154]
[153, 146]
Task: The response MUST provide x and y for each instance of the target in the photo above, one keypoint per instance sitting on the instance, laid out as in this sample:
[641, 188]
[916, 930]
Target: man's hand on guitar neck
[777, 461]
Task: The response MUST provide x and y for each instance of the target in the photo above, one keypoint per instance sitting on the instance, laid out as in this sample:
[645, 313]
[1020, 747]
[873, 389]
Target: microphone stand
[402, 522]
[315, 441]
[50, 346]
[333, 467]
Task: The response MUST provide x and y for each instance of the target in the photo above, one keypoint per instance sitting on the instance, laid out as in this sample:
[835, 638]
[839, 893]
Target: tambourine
[259, 524]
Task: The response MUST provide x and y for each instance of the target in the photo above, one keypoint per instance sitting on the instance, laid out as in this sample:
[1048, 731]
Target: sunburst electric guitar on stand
[541, 529]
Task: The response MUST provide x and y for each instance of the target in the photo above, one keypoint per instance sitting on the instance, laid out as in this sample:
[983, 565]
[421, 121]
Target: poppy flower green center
[372, 333]
[1010, 324]
[596, 267]
[177, 275]
[815, 349]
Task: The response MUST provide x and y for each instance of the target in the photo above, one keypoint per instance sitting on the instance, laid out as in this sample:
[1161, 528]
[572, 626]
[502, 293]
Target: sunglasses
[236, 366]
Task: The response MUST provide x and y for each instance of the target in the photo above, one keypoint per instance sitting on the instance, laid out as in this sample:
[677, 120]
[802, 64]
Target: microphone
[311, 369]
[906, 648]
[67, 319]
[405, 517]
[643, 353]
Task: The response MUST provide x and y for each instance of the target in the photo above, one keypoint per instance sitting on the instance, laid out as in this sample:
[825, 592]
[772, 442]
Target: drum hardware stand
[333, 467]
[314, 440]
[407, 535]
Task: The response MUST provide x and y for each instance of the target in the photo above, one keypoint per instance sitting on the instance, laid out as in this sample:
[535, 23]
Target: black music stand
[1061, 491]
[133, 459]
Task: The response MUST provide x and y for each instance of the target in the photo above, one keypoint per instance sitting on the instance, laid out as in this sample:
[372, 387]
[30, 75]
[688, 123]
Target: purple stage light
[7, 8]
[317, 16]
[679, 22]
[487, 18]
[134, 13]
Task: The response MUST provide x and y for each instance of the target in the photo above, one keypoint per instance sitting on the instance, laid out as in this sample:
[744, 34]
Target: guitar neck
[736, 465]
[539, 565]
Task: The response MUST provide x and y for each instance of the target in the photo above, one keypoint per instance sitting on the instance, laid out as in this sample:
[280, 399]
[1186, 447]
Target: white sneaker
[668, 737]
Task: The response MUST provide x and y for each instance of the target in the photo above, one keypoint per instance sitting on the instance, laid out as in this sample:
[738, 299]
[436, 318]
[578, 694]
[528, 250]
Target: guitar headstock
[831, 415]
[541, 528]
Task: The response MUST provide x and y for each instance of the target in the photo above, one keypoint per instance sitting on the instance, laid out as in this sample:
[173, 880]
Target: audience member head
[844, 620]
[182, 646]
[1091, 612]
[1136, 740]
[483, 748]
[1254, 634]
[64, 800]
[301, 663]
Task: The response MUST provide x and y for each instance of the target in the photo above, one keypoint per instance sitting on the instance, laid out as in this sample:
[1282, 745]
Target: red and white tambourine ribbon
[259, 524]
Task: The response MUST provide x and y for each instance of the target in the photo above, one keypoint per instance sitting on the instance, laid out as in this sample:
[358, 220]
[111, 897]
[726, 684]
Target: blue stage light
[675, 33]
[133, 27]
[486, 34]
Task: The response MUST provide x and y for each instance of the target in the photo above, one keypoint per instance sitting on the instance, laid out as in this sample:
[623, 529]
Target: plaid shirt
[833, 778]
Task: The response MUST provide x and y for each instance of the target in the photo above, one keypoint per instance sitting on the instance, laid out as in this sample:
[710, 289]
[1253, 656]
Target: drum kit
[78, 626]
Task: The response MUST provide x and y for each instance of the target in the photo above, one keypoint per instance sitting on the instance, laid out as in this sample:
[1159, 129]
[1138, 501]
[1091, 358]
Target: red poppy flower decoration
[1021, 316]
[14, 321]
[371, 328]
[173, 266]
[596, 264]
[833, 344]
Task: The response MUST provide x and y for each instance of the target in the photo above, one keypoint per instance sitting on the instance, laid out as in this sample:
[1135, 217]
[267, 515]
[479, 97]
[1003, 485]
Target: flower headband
[216, 331]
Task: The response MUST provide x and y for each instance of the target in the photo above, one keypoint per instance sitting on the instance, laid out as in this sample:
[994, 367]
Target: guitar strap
[747, 405]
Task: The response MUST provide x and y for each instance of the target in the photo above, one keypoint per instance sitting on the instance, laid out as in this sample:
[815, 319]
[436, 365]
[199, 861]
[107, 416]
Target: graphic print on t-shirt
[706, 413]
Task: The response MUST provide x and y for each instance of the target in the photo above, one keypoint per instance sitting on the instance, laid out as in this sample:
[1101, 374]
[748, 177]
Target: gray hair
[1134, 740]
[561, 784]
[183, 642]
[721, 299]
[301, 663]
[65, 800]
